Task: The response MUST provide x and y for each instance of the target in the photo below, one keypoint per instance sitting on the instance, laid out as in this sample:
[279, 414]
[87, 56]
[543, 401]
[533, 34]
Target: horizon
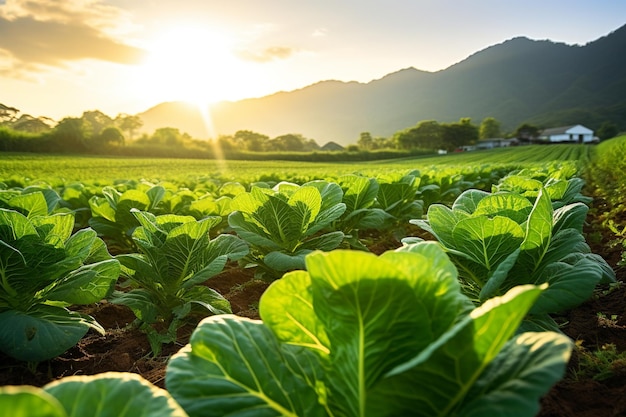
[59, 60]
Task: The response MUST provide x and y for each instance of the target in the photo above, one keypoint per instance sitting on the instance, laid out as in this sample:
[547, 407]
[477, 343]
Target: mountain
[518, 81]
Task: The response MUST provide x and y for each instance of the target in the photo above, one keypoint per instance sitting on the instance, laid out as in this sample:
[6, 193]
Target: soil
[595, 380]
[124, 348]
[599, 325]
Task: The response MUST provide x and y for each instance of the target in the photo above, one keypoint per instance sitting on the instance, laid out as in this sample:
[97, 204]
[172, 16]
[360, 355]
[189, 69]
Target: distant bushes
[208, 152]
[16, 141]
[328, 156]
[606, 170]
[68, 140]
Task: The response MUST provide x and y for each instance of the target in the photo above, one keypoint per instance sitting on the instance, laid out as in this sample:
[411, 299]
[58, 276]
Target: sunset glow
[61, 58]
[190, 64]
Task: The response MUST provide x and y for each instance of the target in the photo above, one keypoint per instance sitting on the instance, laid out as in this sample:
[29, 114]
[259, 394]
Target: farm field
[370, 206]
[59, 170]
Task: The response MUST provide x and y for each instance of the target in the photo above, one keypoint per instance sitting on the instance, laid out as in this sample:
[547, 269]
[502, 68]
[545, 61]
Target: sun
[189, 63]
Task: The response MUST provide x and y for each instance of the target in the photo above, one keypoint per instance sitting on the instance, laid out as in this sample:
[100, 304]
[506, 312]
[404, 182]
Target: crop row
[605, 175]
[23, 170]
[431, 326]
[168, 242]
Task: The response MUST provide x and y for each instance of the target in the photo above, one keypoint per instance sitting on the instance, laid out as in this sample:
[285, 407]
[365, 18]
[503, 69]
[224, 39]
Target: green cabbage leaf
[44, 268]
[361, 335]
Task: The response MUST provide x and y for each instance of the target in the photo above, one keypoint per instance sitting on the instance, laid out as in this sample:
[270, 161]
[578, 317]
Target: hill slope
[520, 80]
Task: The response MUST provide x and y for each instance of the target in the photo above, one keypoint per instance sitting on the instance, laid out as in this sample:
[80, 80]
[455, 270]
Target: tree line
[430, 134]
[96, 132]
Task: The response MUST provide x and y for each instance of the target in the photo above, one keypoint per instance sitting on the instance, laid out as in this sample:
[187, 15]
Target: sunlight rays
[191, 63]
[218, 153]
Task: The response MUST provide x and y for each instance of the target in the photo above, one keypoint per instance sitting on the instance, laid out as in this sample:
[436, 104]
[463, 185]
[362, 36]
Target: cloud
[267, 55]
[320, 33]
[40, 33]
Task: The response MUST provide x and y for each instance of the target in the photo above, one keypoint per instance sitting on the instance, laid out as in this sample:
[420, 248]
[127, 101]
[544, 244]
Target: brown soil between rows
[124, 348]
[598, 323]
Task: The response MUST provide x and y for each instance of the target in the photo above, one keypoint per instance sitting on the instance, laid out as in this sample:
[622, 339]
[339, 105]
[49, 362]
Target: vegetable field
[471, 284]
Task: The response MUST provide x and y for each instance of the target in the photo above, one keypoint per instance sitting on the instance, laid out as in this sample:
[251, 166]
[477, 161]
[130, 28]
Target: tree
[489, 128]
[405, 139]
[607, 130]
[226, 143]
[459, 134]
[128, 123]
[28, 123]
[169, 136]
[383, 143]
[310, 145]
[365, 141]
[292, 142]
[527, 132]
[69, 134]
[111, 135]
[95, 122]
[251, 141]
[7, 114]
[427, 134]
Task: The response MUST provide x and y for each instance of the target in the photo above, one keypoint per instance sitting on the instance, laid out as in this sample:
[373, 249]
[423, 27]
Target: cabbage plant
[167, 278]
[501, 240]
[397, 196]
[361, 335]
[31, 200]
[359, 196]
[282, 225]
[42, 200]
[112, 217]
[529, 182]
[199, 204]
[44, 268]
[446, 184]
[112, 394]
[75, 197]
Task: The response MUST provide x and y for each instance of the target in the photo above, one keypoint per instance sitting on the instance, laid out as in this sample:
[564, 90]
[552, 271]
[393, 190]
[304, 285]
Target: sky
[59, 58]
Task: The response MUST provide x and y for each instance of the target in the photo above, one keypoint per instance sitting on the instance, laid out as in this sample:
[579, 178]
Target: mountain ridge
[517, 81]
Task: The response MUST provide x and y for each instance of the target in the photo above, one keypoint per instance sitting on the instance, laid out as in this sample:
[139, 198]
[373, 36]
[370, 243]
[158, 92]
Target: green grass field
[55, 170]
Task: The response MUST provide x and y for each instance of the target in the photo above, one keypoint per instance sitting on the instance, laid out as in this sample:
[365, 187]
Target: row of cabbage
[354, 335]
[165, 254]
[323, 346]
[606, 176]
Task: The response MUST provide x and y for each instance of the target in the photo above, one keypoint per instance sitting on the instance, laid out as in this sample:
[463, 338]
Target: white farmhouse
[571, 134]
